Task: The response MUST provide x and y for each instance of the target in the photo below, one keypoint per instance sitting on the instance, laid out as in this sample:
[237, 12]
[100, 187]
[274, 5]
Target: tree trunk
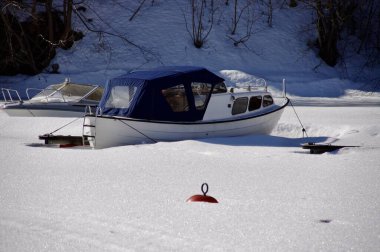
[67, 16]
[270, 13]
[328, 33]
[22, 42]
[48, 7]
[33, 11]
[234, 21]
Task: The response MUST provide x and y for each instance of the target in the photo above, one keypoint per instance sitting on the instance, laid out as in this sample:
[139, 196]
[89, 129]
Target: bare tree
[138, 9]
[332, 17]
[337, 21]
[48, 9]
[368, 25]
[200, 28]
[235, 19]
[29, 37]
[270, 13]
[269, 5]
[238, 13]
[243, 18]
[67, 35]
[16, 50]
[293, 3]
[110, 31]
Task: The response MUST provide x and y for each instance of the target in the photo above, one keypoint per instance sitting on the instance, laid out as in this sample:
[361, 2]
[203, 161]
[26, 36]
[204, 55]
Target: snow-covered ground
[273, 195]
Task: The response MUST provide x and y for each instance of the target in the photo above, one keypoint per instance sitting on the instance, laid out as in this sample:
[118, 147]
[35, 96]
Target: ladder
[88, 128]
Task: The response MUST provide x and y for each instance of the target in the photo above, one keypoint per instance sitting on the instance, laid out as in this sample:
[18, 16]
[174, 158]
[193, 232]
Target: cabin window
[240, 105]
[176, 98]
[219, 88]
[267, 101]
[254, 103]
[121, 96]
[201, 92]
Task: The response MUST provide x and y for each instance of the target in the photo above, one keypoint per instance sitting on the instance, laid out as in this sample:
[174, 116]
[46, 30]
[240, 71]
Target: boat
[179, 103]
[66, 99]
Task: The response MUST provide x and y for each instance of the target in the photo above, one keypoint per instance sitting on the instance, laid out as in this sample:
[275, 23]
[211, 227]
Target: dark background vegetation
[31, 31]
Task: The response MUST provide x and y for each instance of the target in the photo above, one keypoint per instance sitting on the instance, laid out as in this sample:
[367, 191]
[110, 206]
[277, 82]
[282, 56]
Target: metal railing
[257, 84]
[9, 91]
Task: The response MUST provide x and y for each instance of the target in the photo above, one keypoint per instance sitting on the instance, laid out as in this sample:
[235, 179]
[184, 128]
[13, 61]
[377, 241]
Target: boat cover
[144, 93]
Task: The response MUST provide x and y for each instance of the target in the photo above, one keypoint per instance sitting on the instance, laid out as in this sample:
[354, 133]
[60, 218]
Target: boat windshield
[73, 91]
[95, 95]
[48, 91]
[69, 92]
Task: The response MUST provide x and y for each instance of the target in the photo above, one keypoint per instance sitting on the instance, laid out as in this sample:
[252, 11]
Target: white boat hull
[43, 113]
[46, 110]
[112, 131]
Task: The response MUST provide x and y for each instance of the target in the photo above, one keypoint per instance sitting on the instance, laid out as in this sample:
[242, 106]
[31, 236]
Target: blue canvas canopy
[145, 94]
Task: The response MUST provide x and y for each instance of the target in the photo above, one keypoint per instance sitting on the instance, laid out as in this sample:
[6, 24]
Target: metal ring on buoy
[204, 192]
[204, 197]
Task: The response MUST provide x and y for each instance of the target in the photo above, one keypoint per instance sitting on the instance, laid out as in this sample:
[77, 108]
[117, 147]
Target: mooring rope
[138, 131]
[299, 120]
[65, 125]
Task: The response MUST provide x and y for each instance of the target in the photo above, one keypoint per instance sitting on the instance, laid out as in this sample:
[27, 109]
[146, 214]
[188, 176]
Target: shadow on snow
[268, 141]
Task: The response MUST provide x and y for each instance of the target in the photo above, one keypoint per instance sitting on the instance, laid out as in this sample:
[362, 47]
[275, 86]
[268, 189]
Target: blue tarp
[148, 101]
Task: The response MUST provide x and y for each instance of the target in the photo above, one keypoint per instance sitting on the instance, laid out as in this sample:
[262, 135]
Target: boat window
[268, 100]
[121, 96]
[240, 105]
[75, 91]
[176, 98]
[254, 103]
[219, 88]
[201, 92]
[96, 95]
[48, 91]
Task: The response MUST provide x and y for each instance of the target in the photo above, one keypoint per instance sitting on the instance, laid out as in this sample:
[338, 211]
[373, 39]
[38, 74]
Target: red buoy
[204, 197]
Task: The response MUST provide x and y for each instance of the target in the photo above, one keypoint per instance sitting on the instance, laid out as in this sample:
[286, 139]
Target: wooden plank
[64, 140]
[322, 148]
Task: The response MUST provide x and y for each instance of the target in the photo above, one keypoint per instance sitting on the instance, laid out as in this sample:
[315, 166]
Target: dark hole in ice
[325, 221]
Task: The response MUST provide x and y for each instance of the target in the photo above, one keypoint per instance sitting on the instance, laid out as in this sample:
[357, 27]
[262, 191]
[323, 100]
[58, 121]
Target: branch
[137, 10]
[143, 50]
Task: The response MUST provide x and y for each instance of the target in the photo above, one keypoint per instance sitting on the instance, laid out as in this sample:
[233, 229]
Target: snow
[273, 195]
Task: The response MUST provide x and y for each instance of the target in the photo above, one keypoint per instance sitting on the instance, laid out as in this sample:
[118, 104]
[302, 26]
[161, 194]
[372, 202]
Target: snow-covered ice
[273, 195]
